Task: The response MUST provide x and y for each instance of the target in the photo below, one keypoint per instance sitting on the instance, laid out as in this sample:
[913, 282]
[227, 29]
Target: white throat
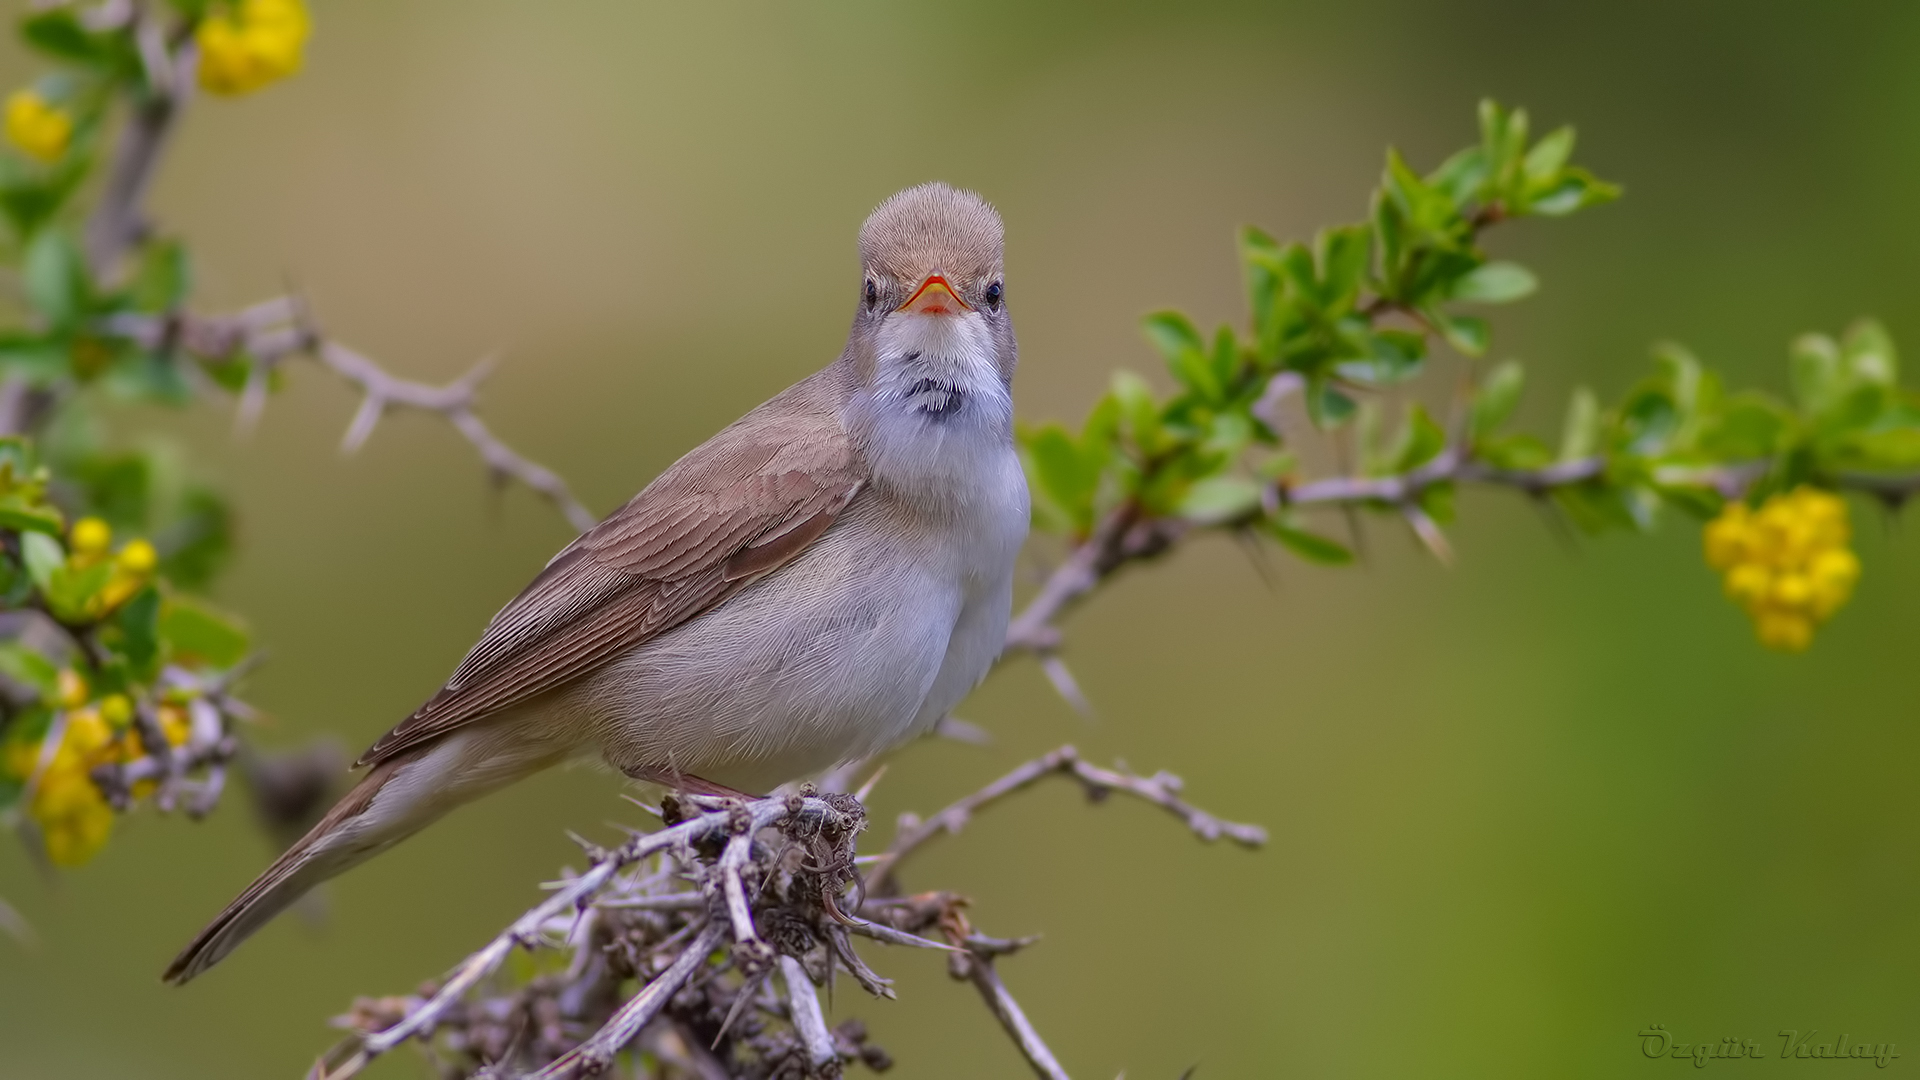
[937, 419]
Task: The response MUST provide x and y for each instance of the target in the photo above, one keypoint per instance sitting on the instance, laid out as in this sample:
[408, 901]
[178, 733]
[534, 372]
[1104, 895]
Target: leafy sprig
[1340, 323]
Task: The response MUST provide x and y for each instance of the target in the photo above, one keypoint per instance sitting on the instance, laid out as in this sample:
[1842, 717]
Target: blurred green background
[1520, 809]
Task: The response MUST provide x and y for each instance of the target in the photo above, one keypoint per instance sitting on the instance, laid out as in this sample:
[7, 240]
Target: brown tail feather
[306, 864]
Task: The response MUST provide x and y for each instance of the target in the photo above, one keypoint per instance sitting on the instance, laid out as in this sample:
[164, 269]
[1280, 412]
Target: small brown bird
[819, 582]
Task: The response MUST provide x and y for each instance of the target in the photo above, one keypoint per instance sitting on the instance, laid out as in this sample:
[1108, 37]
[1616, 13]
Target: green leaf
[1326, 406]
[1467, 333]
[194, 631]
[1814, 361]
[1516, 452]
[1496, 398]
[71, 590]
[1461, 176]
[1749, 426]
[1868, 354]
[1061, 473]
[1576, 189]
[1503, 141]
[1495, 283]
[163, 280]
[1394, 356]
[32, 194]
[42, 361]
[1180, 342]
[1139, 413]
[1425, 207]
[28, 668]
[1422, 439]
[23, 515]
[1549, 156]
[1220, 499]
[1437, 500]
[1223, 364]
[1229, 433]
[58, 33]
[56, 278]
[1344, 256]
[139, 623]
[1312, 547]
[139, 375]
[1685, 375]
[44, 557]
[1173, 333]
[1258, 253]
[1581, 433]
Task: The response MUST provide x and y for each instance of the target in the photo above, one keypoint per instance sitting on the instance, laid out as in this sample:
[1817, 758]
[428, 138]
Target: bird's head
[932, 291]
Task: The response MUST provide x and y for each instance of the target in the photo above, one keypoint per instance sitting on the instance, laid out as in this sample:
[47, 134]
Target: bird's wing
[739, 506]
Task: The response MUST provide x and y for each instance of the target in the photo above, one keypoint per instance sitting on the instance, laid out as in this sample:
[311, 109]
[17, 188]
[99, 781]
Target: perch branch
[571, 897]
[803, 1006]
[592, 1057]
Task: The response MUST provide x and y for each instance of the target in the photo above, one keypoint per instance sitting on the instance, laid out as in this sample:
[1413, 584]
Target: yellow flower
[90, 537]
[254, 43]
[87, 735]
[22, 757]
[70, 689]
[75, 819]
[38, 128]
[1786, 563]
[132, 569]
[138, 557]
[175, 725]
[116, 710]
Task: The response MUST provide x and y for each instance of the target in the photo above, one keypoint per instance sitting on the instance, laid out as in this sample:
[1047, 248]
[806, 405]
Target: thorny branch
[271, 332]
[1161, 789]
[698, 917]
[1127, 535]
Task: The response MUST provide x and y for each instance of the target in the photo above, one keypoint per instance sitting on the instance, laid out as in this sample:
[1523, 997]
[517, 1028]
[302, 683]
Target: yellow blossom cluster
[82, 731]
[73, 815]
[91, 542]
[40, 129]
[1787, 562]
[251, 44]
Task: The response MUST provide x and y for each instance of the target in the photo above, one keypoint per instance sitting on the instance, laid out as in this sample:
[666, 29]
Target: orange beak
[935, 297]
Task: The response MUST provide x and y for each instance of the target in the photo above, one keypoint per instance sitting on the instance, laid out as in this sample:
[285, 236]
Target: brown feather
[740, 505]
[194, 958]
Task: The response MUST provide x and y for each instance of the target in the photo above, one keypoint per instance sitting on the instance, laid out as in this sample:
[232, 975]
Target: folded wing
[737, 507]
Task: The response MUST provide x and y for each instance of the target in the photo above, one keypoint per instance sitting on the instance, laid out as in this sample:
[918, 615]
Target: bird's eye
[873, 293]
[993, 295]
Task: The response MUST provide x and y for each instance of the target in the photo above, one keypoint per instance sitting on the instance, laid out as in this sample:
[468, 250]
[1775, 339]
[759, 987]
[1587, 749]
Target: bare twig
[15, 925]
[593, 1056]
[980, 972]
[751, 952]
[270, 332]
[118, 222]
[803, 1006]
[717, 818]
[730, 890]
[1161, 789]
